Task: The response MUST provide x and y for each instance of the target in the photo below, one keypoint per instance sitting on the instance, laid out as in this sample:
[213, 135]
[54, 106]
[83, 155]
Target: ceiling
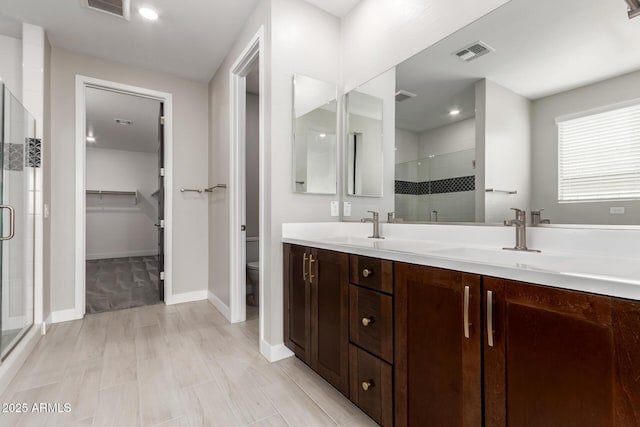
[10, 27]
[104, 106]
[542, 48]
[190, 39]
[339, 8]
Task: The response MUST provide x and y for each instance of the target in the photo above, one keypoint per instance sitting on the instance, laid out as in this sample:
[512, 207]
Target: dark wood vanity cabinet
[316, 315]
[555, 357]
[437, 347]
[421, 346]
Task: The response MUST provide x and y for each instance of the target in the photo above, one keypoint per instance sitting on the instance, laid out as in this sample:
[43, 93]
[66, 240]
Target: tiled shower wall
[444, 184]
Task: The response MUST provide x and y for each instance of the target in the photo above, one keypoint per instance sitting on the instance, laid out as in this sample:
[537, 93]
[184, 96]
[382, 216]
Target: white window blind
[599, 156]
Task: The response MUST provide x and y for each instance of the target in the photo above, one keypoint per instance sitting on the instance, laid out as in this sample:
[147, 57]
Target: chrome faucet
[520, 222]
[536, 218]
[391, 217]
[376, 224]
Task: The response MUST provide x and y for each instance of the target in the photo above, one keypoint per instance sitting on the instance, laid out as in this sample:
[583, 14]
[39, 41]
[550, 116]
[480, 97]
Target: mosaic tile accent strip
[35, 152]
[453, 185]
[449, 185]
[13, 157]
[406, 187]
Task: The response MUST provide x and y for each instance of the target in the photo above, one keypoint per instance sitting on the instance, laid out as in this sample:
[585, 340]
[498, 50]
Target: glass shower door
[17, 202]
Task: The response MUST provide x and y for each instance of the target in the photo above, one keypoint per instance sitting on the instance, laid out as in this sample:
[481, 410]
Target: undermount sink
[393, 245]
[503, 257]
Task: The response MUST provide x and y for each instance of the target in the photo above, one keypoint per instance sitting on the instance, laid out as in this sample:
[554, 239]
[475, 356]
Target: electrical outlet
[616, 211]
[335, 208]
[347, 209]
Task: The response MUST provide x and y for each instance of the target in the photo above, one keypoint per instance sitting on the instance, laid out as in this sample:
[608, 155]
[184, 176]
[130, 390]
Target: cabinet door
[437, 356]
[297, 301]
[559, 358]
[329, 281]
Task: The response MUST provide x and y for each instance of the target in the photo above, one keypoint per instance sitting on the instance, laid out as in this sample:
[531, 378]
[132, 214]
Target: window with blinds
[599, 156]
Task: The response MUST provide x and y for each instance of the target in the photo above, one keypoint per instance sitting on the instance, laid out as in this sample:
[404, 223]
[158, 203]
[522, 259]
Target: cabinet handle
[311, 261]
[304, 267]
[366, 385]
[490, 318]
[466, 312]
[366, 272]
[366, 321]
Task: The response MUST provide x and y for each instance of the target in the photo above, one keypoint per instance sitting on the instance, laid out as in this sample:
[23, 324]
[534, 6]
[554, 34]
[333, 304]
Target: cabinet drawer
[371, 321]
[370, 385]
[372, 273]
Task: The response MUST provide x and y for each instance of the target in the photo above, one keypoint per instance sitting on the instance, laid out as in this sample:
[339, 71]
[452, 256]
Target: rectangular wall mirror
[314, 136]
[534, 106]
[364, 144]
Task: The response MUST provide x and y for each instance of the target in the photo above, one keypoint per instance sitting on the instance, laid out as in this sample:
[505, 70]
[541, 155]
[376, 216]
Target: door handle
[12, 222]
[490, 318]
[304, 267]
[466, 312]
[311, 261]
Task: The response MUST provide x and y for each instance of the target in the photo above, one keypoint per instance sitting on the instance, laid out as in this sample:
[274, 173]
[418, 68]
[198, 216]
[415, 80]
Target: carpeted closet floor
[118, 283]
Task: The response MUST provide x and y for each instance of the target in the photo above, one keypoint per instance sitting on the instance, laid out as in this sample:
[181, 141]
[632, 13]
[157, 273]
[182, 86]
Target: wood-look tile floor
[180, 365]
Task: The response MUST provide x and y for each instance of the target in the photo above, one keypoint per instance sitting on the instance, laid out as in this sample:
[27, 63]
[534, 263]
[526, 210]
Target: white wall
[117, 226]
[190, 113]
[545, 151]
[11, 64]
[406, 146]
[503, 151]
[292, 29]
[450, 138]
[377, 35]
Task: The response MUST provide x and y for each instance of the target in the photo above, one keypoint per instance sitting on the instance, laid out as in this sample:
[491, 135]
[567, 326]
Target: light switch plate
[347, 208]
[335, 208]
[616, 211]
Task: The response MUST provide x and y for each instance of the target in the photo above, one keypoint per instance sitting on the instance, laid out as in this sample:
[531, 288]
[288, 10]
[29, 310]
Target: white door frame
[237, 179]
[82, 82]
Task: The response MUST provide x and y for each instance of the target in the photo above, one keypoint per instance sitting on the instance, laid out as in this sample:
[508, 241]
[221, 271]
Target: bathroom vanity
[419, 332]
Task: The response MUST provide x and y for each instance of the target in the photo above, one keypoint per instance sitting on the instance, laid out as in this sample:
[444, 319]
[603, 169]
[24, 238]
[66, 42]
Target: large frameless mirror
[534, 106]
[314, 136]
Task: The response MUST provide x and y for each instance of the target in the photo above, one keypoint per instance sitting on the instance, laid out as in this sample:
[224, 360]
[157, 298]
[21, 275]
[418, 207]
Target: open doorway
[252, 192]
[124, 250]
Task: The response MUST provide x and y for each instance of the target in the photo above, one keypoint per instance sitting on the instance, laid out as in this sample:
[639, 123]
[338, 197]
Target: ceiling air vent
[403, 95]
[118, 8]
[474, 51]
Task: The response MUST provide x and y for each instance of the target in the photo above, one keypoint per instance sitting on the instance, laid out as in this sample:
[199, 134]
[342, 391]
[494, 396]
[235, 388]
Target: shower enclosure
[19, 156]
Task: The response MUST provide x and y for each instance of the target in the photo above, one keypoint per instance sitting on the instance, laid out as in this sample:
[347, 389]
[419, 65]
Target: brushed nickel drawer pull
[304, 267]
[490, 318]
[366, 321]
[366, 385]
[466, 312]
[311, 261]
[366, 272]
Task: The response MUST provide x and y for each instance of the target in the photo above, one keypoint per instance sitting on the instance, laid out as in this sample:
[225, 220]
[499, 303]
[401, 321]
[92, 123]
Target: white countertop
[597, 273]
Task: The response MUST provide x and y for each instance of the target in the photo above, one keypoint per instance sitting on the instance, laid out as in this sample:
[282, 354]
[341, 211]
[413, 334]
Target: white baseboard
[273, 353]
[17, 322]
[10, 366]
[220, 306]
[107, 255]
[64, 315]
[185, 297]
[45, 325]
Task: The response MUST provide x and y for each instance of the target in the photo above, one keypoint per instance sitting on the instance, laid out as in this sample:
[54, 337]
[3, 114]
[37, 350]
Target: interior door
[160, 224]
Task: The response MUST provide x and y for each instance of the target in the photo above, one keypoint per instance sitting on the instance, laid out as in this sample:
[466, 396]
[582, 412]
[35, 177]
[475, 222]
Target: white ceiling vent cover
[119, 8]
[473, 51]
[403, 95]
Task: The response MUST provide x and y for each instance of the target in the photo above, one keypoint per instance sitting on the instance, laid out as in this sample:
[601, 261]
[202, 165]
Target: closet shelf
[114, 193]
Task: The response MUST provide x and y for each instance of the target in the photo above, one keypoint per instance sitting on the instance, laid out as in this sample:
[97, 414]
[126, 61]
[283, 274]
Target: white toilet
[253, 283]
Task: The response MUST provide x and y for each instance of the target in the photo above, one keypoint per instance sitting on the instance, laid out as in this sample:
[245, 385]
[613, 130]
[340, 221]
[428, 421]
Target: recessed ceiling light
[91, 139]
[454, 112]
[148, 13]
[323, 135]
